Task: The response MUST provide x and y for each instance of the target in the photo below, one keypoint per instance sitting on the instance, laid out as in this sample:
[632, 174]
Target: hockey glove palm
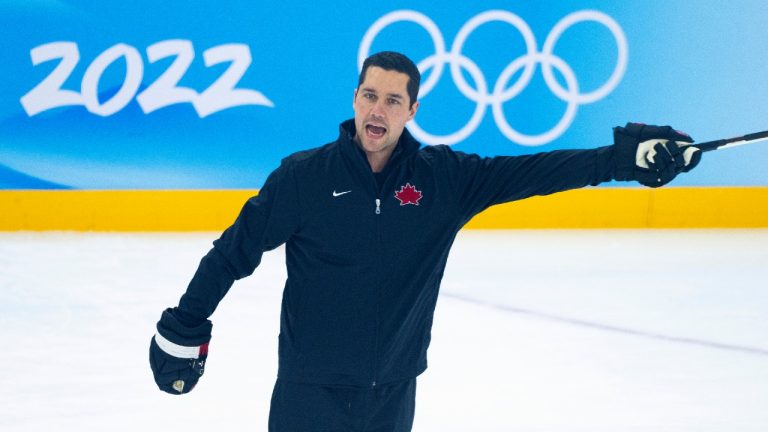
[652, 155]
[177, 353]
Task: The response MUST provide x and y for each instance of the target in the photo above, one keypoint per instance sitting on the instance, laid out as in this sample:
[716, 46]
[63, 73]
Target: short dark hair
[394, 61]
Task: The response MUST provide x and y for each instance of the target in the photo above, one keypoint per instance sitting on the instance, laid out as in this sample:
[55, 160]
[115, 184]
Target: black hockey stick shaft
[732, 142]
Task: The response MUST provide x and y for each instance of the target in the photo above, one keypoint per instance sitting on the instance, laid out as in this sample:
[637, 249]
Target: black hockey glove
[177, 353]
[652, 155]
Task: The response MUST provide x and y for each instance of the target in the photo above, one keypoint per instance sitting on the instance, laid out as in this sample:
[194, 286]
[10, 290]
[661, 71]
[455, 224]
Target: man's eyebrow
[392, 95]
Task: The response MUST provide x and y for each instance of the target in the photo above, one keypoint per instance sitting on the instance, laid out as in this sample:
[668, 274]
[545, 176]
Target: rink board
[185, 210]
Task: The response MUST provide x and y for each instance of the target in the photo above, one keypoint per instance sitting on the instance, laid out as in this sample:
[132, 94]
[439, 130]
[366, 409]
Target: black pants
[317, 408]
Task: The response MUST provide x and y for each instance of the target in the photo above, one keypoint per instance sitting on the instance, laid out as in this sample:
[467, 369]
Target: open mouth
[374, 131]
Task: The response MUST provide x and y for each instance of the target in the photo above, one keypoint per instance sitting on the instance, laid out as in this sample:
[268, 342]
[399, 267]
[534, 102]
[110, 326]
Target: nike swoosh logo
[337, 194]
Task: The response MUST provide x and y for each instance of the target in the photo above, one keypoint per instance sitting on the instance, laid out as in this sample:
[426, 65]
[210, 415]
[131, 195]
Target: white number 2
[164, 91]
[48, 94]
[222, 94]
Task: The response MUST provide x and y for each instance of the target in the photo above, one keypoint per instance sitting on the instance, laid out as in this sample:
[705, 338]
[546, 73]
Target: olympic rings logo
[502, 91]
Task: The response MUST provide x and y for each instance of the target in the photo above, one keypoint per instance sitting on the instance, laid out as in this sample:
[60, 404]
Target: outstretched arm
[651, 155]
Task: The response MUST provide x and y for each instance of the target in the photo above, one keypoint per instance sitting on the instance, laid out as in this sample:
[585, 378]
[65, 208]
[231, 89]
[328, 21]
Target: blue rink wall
[189, 96]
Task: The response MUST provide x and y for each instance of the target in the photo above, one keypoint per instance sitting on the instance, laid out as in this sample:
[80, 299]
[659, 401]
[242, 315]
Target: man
[368, 221]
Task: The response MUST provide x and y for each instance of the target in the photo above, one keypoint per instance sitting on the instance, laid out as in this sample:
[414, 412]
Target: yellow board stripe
[670, 207]
[214, 210]
[120, 210]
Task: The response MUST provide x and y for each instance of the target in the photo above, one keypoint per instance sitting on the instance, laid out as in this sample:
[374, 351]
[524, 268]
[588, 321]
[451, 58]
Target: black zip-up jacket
[365, 262]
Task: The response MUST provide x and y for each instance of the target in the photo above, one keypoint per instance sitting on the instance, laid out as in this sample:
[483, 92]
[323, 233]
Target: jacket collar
[406, 145]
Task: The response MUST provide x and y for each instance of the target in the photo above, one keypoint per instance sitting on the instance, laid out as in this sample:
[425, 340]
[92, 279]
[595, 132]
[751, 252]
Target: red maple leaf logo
[408, 195]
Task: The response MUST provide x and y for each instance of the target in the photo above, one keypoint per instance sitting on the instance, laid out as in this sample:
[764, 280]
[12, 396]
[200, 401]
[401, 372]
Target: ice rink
[536, 331]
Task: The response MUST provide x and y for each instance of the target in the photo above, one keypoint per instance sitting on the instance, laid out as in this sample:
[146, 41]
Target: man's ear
[414, 108]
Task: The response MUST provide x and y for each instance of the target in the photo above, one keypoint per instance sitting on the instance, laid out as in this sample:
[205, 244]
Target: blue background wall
[700, 66]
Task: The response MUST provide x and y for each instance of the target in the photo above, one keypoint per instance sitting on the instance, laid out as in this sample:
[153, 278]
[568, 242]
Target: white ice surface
[535, 331]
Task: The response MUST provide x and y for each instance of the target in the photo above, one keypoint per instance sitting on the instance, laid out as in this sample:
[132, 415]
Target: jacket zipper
[378, 300]
[377, 194]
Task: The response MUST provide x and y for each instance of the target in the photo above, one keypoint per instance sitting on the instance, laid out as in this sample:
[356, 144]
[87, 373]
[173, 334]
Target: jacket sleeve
[485, 181]
[266, 221]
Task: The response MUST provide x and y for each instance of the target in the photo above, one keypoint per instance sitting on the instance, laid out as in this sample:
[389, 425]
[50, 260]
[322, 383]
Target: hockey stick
[732, 142]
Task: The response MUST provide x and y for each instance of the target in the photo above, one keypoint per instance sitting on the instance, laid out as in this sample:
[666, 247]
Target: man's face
[382, 108]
